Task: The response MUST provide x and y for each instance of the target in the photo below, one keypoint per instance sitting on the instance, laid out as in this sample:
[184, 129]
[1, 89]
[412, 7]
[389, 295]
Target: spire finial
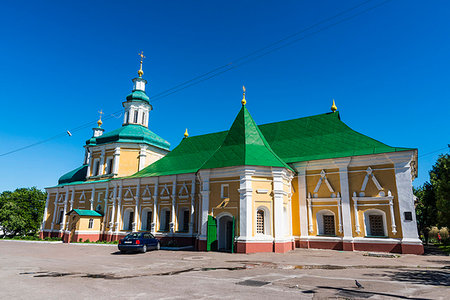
[140, 72]
[333, 107]
[99, 122]
[243, 101]
[186, 134]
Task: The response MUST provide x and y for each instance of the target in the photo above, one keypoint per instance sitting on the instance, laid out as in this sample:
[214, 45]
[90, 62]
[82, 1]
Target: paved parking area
[78, 271]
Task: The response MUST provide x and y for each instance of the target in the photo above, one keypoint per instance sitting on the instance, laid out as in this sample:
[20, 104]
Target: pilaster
[342, 164]
[204, 179]
[246, 205]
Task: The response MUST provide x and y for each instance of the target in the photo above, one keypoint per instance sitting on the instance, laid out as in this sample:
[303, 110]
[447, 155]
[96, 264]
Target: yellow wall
[128, 162]
[262, 200]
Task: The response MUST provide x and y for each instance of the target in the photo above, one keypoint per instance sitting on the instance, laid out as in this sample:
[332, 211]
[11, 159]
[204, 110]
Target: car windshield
[133, 235]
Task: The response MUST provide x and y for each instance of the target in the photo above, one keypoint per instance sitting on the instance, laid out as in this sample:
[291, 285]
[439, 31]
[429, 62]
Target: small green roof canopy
[244, 145]
[85, 213]
[131, 133]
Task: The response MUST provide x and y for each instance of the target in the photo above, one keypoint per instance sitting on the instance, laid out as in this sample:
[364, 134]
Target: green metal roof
[309, 138]
[138, 95]
[244, 145]
[79, 174]
[320, 137]
[131, 133]
[86, 212]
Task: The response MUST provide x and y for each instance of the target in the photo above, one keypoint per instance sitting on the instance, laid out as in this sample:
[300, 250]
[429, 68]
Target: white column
[342, 164]
[142, 157]
[310, 224]
[204, 177]
[245, 205]
[102, 163]
[355, 208]
[119, 204]
[391, 209]
[339, 203]
[278, 193]
[303, 210]
[89, 162]
[92, 198]
[44, 218]
[72, 199]
[55, 209]
[105, 207]
[174, 199]
[116, 160]
[403, 181]
[191, 221]
[113, 210]
[62, 226]
[155, 207]
[136, 209]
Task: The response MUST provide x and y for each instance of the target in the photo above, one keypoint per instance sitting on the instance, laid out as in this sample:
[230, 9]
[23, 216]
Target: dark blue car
[138, 242]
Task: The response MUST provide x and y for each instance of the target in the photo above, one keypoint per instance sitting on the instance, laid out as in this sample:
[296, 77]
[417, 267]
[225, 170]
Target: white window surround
[333, 202]
[319, 220]
[377, 212]
[91, 224]
[144, 215]
[180, 219]
[389, 198]
[96, 167]
[267, 227]
[163, 221]
[126, 219]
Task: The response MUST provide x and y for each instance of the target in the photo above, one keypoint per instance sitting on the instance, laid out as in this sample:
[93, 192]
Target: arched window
[164, 218]
[136, 116]
[125, 119]
[375, 223]
[91, 223]
[146, 219]
[128, 219]
[143, 118]
[325, 222]
[260, 221]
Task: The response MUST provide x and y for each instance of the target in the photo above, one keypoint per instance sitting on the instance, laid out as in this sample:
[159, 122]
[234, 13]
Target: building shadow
[354, 293]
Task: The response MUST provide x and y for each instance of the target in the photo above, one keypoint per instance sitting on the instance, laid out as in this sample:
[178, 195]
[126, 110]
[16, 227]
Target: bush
[80, 240]
[87, 241]
[444, 233]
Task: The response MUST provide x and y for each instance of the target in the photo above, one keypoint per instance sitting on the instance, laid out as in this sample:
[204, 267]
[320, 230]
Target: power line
[234, 64]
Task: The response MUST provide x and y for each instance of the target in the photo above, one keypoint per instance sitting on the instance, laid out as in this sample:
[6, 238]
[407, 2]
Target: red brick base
[375, 247]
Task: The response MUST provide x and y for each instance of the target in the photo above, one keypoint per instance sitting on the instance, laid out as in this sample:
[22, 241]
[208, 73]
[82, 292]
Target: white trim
[374, 211]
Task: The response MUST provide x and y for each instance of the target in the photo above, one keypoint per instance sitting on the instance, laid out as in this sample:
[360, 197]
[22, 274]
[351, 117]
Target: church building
[310, 182]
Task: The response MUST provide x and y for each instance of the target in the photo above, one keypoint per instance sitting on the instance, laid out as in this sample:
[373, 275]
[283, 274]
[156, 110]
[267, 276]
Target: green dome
[131, 133]
[138, 95]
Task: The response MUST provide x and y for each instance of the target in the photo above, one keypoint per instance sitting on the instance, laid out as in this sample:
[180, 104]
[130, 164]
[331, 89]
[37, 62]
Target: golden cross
[142, 56]
[101, 113]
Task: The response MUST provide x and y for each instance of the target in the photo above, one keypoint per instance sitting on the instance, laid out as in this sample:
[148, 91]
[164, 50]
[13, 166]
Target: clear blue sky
[61, 62]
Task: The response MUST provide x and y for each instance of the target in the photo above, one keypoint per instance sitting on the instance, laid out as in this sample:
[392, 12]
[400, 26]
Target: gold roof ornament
[140, 72]
[99, 122]
[186, 134]
[243, 101]
[333, 107]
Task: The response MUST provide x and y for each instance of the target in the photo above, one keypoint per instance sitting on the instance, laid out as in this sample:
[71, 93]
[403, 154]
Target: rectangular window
[96, 167]
[61, 215]
[136, 116]
[186, 214]
[109, 165]
[91, 223]
[166, 220]
[376, 225]
[328, 225]
[260, 222]
[224, 191]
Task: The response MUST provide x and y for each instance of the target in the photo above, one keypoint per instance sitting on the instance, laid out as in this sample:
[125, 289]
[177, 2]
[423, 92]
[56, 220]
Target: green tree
[440, 180]
[21, 211]
[426, 211]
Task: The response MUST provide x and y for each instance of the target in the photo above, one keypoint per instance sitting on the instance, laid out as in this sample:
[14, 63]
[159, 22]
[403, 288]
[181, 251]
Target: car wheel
[158, 246]
[144, 248]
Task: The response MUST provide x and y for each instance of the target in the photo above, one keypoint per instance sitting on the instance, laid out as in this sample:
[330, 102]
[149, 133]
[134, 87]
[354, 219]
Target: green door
[211, 238]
